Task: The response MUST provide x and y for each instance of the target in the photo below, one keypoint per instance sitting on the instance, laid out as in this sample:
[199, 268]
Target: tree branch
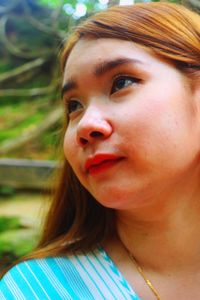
[12, 48]
[22, 69]
[4, 10]
[39, 25]
[28, 93]
[52, 118]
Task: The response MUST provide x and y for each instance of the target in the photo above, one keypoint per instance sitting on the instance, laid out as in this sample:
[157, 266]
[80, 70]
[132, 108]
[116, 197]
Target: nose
[93, 126]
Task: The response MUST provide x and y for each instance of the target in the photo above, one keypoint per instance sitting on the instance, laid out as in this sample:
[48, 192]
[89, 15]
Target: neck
[165, 236]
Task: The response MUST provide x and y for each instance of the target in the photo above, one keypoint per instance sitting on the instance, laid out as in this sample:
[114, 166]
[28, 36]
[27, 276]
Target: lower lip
[102, 167]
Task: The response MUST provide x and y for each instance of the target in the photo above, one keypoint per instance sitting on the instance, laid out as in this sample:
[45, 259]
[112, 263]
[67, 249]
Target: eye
[73, 105]
[122, 82]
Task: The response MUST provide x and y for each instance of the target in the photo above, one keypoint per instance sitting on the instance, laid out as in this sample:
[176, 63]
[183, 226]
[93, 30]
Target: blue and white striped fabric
[91, 276]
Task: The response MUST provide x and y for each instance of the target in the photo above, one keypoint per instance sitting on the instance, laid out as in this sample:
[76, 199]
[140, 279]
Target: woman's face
[133, 122]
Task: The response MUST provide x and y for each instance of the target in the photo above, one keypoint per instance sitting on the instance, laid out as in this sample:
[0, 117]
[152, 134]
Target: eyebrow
[100, 69]
[106, 66]
[68, 86]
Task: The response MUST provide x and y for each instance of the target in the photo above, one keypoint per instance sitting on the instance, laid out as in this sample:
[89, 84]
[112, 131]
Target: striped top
[91, 276]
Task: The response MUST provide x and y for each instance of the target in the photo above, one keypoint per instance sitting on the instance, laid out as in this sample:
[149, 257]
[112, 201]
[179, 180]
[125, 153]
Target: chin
[116, 200]
[123, 199]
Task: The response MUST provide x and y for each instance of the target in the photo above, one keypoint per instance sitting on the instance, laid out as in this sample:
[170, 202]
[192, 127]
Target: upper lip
[99, 159]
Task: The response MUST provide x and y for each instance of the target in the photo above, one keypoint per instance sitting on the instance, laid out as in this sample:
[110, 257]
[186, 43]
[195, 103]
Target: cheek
[69, 146]
[155, 130]
[71, 153]
[144, 123]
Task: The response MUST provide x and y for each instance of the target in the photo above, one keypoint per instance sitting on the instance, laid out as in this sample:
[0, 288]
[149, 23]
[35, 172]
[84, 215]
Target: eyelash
[69, 105]
[132, 80]
[72, 104]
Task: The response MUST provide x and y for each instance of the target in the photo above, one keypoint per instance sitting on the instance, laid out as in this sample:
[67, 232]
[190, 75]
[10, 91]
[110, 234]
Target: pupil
[72, 106]
[121, 83]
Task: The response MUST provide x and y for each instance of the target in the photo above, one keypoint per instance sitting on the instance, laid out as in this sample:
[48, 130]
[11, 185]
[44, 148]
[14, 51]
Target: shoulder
[50, 278]
[83, 276]
[36, 279]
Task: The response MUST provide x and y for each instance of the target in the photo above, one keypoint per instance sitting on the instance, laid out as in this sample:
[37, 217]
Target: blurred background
[32, 33]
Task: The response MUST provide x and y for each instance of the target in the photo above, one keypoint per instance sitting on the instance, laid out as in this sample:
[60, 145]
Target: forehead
[89, 52]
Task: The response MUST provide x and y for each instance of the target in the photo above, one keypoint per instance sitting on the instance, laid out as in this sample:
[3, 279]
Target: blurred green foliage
[15, 240]
[16, 243]
[8, 223]
[6, 191]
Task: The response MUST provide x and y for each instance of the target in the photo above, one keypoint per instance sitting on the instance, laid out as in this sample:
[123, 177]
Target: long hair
[76, 221]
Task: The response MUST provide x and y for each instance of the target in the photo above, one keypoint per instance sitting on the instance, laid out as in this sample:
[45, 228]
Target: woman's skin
[133, 141]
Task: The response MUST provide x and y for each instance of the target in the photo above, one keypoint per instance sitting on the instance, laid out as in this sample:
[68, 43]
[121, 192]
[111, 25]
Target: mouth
[101, 162]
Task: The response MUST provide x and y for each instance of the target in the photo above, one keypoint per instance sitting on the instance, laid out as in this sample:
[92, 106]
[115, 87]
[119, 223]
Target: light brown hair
[75, 220]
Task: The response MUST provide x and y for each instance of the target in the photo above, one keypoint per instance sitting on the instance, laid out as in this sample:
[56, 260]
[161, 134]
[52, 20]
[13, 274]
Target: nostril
[96, 134]
[83, 141]
[88, 138]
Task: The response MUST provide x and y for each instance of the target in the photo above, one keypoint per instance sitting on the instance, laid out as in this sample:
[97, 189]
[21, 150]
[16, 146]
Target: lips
[101, 162]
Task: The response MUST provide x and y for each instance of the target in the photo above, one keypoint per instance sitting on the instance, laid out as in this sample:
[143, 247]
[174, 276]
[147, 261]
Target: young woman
[125, 221]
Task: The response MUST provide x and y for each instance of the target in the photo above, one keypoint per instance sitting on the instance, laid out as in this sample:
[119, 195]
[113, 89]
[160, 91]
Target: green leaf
[17, 243]
[8, 223]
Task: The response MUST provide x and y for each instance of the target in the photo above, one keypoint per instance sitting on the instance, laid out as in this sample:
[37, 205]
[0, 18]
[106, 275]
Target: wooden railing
[26, 174]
